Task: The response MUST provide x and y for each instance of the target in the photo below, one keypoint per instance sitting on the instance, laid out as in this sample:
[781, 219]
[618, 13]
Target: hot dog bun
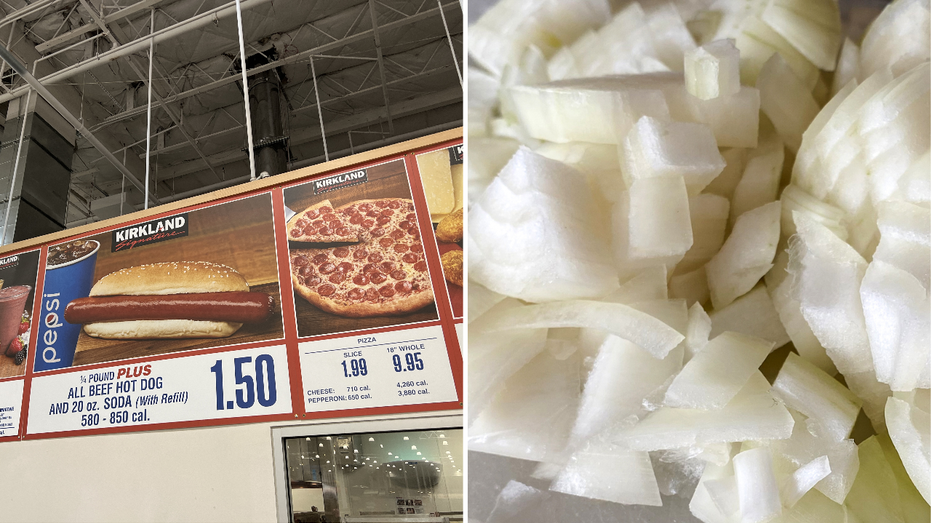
[171, 278]
[161, 329]
[167, 278]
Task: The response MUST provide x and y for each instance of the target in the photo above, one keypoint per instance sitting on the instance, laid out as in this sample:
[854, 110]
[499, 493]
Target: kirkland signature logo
[340, 181]
[150, 232]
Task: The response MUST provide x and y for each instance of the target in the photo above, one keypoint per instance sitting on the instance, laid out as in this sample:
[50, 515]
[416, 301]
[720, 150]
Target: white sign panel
[11, 401]
[248, 382]
[409, 367]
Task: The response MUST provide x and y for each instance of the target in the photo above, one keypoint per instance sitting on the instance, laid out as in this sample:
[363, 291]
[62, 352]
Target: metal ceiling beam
[227, 130]
[322, 49]
[381, 60]
[87, 28]
[78, 126]
[309, 134]
[140, 44]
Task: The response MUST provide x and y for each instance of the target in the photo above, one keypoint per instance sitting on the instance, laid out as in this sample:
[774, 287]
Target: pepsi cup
[69, 275]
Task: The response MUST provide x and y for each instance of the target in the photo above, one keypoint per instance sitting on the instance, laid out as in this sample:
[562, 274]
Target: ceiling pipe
[195, 22]
[20, 69]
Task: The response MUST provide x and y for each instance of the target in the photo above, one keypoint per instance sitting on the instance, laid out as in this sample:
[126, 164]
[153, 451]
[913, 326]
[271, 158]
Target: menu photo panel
[442, 177]
[356, 254]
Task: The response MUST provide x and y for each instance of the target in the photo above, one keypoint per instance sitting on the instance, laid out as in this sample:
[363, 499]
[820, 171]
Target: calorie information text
[377, 370]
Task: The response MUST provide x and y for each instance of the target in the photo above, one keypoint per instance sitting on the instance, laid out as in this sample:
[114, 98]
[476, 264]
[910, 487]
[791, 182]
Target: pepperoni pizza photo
[356, 255]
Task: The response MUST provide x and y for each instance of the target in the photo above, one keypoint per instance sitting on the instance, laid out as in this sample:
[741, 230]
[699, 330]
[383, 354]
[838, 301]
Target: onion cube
[809, 390]
[786, 101]
[715, 375]
[757, 489]
[708, 215]
[804, 479]
[610, 473]
[752, 314]
[746, 255]
[910, 430]
[713, 70]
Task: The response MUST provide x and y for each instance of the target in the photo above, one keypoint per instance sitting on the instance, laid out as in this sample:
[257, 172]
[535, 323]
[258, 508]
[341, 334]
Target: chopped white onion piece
[610, 473]
[615, 318]
[621, 376]
[848, 66]
[897, 311]
[752, 314]
[515, 500]
[481, 300]
[757, 488]
[827, 274]
[746, 255]
[785, 100]
[875, 496]
[708, 215]
[752, 414]
[812, 26]
[726, 182]
[910, 430]
[690, 286]
[803, 339]
[804, 479]
[486, 158]
[905, 240]
[898, 37]
[656, 148]
[531, 417]
[758, 42]
[698, 331]
[496, 356]
[809, 390]
[759, 183]
[714, 376]
[713, 70]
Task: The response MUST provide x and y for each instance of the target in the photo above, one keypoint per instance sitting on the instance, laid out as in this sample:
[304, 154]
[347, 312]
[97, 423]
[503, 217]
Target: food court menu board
[314, 298]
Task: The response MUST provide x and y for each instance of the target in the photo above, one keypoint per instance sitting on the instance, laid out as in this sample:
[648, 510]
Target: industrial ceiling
[383, 71]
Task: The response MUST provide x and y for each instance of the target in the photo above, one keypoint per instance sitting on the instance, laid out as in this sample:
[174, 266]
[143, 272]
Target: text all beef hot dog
[169, 300]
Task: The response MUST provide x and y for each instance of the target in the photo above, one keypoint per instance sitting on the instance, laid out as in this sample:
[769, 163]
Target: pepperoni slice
[414, 233]
[378, 231]
[348, 211]
[408, 206]
[421, 266]
[300, 260]
[382, 220]
[356, 219]
[326, 290]
[341, 252]
[306, 271]
[309, 230]
[387, 291]
[344, 231]
[372, 214]
[387, 266]
[394, 204]
[418, 248]
[397, 234]
[405, 225]
[312, 214]
[310, 282]
[324, 231]
[401, 247]
[360, 279]
[327, 268]
[365, 207]
[369, 267]
[318, 223]
[411, 217]
[410, 258]
[295, 232]
[403, 286]
[398, 274]
[331, 217]
[337, 277]
[356, 294]
[325, 209]
[345, 267]
[302, 222]
[320, 258]
[360, 253]
[387, 212]
[386, 242]
[368, 224]
[381, 204]
[371, 294]
[375, 257]
[377, 277]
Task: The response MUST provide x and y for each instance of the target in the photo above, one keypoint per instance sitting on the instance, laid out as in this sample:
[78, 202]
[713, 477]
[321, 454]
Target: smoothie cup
[69, 275]
[12, 302]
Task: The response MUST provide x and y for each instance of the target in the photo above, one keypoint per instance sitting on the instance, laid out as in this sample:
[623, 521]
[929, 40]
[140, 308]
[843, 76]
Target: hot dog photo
[356, 253]
[198, 279]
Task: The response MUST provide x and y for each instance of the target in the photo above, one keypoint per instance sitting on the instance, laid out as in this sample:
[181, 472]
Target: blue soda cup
[69, 275]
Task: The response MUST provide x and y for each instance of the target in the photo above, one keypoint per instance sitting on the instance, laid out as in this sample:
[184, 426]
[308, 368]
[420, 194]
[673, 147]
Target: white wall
[199, 475]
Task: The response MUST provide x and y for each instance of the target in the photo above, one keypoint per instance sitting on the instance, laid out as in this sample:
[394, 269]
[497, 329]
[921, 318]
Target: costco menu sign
[202, 316]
